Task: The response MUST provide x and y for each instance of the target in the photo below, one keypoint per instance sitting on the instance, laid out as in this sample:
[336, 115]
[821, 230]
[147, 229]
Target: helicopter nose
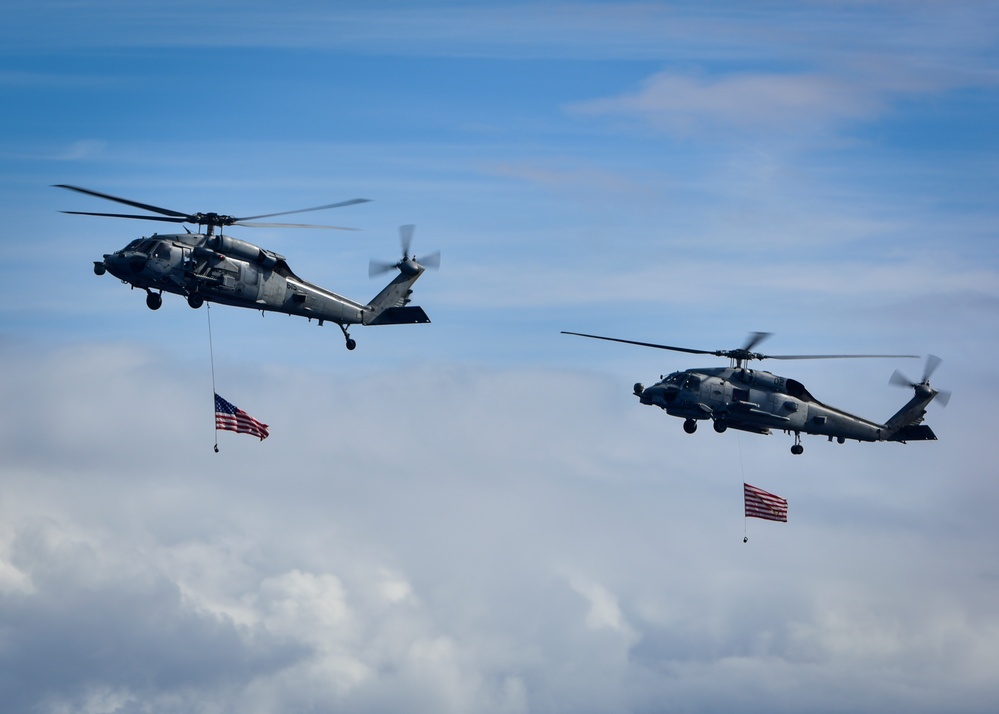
[657, 395]
[652, 395]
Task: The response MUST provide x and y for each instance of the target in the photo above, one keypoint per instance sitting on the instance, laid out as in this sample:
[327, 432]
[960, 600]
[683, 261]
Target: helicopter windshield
[682, 380]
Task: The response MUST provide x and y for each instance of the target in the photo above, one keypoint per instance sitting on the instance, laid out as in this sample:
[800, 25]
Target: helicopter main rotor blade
[257, 224]
[127, 215]
[755, 338]
[351, 202]
[127, 202]
[837, 356]
[643, 344]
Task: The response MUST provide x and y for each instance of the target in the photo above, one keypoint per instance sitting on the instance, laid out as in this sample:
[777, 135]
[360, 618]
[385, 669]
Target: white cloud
[806, 104]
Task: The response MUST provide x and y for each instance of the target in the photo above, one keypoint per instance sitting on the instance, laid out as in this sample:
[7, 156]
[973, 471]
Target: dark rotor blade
[126, 215]
[932, 362]
[900, 380]
[838, 357]
[350, 202]
[643, 344]
[755, 338]
[406, 237]
[431, 261]
[377, 267]
[256, 224]
[127, 202]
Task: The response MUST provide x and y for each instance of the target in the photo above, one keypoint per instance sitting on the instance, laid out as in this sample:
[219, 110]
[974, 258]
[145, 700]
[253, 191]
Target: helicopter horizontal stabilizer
[410, 315]
[914, 432]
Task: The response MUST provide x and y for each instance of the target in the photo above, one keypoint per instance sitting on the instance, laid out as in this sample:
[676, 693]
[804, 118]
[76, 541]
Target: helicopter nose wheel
[797, 449]
[154, 300]
[690, 426]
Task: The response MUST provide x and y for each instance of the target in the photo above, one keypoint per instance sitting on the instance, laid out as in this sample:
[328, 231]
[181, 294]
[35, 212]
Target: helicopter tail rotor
[409, 263]
[932, 363]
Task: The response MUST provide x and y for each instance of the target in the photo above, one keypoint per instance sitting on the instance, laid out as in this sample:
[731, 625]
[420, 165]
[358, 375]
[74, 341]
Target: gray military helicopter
[756, 401]
[217, 268]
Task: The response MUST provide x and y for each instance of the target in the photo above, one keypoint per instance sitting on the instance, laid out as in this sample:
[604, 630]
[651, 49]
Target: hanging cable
[211, 352]
[742, 468]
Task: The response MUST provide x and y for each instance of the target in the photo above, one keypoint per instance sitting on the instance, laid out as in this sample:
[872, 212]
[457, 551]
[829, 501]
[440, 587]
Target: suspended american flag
[232, 418]
[760, 504]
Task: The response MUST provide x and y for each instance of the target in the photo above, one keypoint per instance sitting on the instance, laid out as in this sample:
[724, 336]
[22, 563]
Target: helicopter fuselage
[229, 271]
[758, 401]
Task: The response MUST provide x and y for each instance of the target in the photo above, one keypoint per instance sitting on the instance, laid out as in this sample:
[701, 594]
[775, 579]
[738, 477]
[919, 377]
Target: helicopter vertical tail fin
[391, 305]
[907, 422]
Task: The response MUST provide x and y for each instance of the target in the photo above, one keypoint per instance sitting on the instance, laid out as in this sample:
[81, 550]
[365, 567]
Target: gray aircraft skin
[757, 401]
[219, 268]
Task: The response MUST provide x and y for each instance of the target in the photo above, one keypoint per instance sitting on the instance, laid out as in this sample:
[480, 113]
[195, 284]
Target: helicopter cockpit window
[162, 251]
[134, 245]
[693, 382]
[675, 378]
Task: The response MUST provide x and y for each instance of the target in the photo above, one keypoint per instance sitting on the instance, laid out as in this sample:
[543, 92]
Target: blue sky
[476, 514]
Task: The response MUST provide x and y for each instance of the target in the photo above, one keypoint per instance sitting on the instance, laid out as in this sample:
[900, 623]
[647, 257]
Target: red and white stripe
[760, 504]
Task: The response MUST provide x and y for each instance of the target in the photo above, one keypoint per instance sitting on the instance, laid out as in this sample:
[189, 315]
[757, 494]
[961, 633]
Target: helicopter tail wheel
[154, 300]
[350, 343]
[797, 449]
[690, 426]
[720, 426]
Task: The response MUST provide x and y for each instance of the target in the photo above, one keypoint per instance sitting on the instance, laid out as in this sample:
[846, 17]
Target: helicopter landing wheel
[154, 301]
[797, 449]
[346, 335]
[690, 426]
[195, 300]
[720, 426]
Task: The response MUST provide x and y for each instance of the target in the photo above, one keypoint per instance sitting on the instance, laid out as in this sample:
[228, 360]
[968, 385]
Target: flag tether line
[211, 353]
